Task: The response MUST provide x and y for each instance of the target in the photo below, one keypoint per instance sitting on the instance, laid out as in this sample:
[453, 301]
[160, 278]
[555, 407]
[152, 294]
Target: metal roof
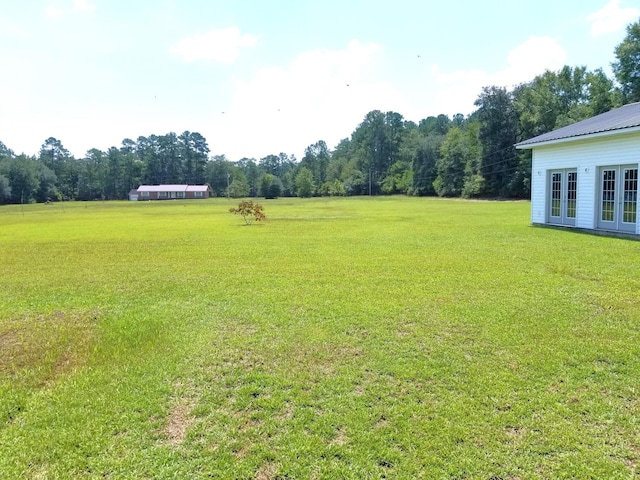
[625, 117]
[173, 188]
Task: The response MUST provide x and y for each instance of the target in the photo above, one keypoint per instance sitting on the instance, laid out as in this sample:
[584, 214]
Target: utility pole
[228, 178]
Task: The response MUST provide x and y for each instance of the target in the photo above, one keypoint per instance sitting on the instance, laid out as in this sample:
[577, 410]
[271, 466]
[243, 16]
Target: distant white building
[585, 175]
[169, 192]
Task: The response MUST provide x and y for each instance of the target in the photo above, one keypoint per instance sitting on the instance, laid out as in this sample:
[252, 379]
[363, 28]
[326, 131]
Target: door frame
[562, 196]
[617, 197]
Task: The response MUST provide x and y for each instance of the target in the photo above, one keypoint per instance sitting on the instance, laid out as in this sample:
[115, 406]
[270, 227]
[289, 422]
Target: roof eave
[608, 133]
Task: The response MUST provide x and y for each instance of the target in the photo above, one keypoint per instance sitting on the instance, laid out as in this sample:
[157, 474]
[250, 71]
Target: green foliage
[218, 173]
[316, 159]
[356, 183]
[249, 167]
[398, 180]
[497, 120]
[474, 185]
[61, 163]
[46, 185]
[5, 152]
[239, 186]
[626, 68]
[249, 211]
[5, 189]
[460, 148]
[555, 99]
[333, 189]
[23, 175]
[423, 164]
[270, 186]
[171, 158]
[271, 165]
[435, 125]
[377, 145]
[304, 183]
[602, 94]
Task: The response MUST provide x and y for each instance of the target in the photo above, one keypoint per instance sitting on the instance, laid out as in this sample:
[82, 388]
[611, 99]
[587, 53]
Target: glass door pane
[630, 195]
[608, 209]
[556, 194]
[572, 189]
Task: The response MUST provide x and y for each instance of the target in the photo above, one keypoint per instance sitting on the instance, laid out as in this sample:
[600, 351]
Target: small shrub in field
[250, 211]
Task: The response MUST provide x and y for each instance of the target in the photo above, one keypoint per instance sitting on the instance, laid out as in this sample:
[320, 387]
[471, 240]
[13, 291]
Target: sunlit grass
[343, 338]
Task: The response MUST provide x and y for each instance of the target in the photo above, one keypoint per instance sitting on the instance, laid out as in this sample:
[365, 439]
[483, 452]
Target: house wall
[193, 195]
[586, 156]
[168, 195]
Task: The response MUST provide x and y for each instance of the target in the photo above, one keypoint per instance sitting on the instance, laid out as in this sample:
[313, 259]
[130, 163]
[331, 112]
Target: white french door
[618, 192]
[563, 189]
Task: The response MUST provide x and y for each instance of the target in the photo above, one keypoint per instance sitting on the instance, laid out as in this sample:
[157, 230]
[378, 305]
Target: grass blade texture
[355, 338]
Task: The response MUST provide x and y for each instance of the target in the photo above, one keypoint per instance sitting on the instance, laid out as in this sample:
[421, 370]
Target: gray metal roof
[621, 118]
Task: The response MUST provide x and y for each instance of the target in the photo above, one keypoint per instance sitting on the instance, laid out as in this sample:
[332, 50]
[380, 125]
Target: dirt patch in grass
[340, 438]
[180, 417]
[39, 350]
[268, 471]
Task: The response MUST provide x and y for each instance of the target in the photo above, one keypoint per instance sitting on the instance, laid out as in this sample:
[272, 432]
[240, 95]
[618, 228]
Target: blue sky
[261, 77]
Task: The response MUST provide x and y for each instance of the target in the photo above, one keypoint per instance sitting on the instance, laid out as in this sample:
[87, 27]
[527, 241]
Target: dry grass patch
[180, 417]
[41, 349]
[340, 439]
[268, 471]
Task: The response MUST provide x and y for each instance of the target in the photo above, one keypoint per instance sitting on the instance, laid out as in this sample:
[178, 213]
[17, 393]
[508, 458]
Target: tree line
[472, 156]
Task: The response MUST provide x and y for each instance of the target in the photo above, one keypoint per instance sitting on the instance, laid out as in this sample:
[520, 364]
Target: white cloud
[321, 95]
[217, 45]
[532, 58]
[458, 90]
[83, 5]
[53, 12]
[611, 18]
[12, 30]
[325, 94]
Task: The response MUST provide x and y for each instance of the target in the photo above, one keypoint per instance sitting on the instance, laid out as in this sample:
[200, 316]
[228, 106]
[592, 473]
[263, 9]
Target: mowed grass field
[344, 338]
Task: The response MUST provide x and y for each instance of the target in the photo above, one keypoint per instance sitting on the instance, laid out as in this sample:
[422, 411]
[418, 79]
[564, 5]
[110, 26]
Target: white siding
[586, 156]
[538, 187]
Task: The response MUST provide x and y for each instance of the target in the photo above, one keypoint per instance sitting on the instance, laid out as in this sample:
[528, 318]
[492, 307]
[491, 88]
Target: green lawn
[344, 338]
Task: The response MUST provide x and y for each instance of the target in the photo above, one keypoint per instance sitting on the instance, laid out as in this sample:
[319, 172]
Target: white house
[585, 175]
[172, 192]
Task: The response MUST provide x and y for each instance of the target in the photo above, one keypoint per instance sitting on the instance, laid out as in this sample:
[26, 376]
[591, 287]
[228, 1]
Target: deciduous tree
[627, 66]
[249, 211]
[23, 178]
[304, 183]
[497, 133]
[5, 189]
[460, 148]
[270, 186]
